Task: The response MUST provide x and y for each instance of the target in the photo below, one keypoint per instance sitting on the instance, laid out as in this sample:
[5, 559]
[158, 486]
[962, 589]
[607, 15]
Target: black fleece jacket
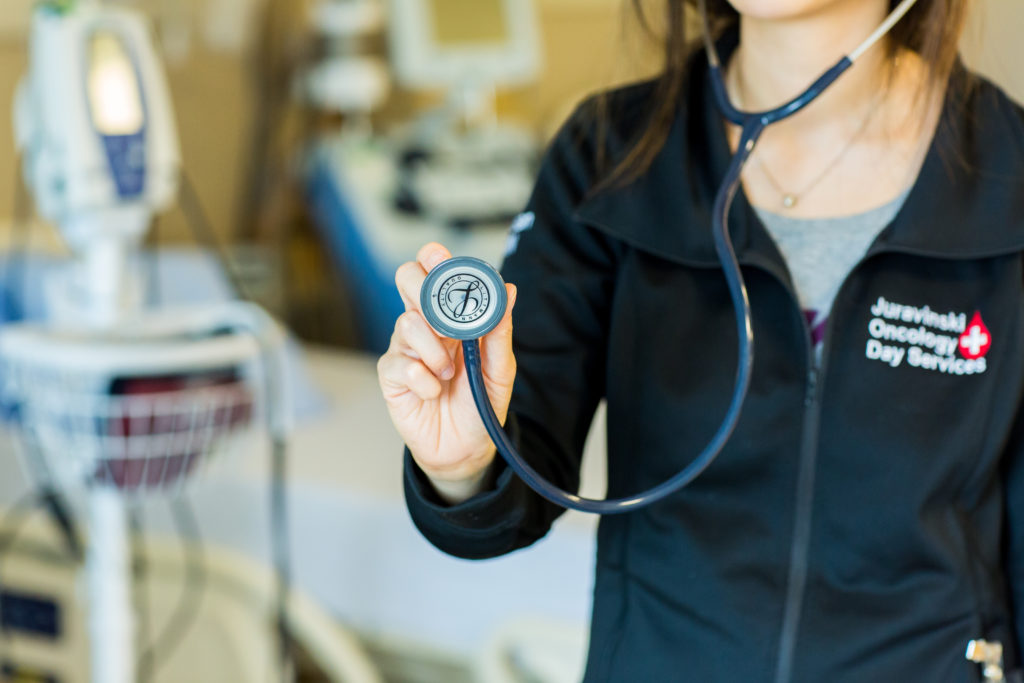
[866, 520]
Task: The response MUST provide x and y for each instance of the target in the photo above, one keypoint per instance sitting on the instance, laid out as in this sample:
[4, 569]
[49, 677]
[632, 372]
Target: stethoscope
[464, 298]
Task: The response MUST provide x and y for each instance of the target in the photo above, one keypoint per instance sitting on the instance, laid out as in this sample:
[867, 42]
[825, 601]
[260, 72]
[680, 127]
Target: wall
[992, 43]
[12, 65]
[588, 45]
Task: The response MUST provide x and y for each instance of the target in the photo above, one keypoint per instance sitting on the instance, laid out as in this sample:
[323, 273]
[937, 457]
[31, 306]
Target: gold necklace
[790, 199]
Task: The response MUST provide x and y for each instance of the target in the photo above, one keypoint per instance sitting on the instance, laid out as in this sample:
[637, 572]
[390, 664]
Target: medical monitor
[464, 43]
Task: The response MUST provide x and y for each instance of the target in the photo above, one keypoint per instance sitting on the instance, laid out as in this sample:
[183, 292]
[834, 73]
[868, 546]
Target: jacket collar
[967, 202]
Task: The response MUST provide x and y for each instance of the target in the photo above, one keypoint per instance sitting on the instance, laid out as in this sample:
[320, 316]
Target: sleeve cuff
[485, 525]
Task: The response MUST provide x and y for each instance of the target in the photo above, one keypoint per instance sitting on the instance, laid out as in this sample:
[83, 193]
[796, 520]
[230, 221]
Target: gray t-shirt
[820, 253]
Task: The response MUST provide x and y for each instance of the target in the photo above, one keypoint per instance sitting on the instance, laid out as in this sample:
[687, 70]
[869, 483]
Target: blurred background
[189, 491]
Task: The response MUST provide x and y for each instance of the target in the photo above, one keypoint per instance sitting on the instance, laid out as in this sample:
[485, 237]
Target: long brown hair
[931, 28]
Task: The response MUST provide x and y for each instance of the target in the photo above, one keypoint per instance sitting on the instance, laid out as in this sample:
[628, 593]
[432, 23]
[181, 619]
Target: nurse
[866, 520]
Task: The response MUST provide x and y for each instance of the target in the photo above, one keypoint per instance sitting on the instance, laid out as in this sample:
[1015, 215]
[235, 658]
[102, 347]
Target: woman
[866, 520]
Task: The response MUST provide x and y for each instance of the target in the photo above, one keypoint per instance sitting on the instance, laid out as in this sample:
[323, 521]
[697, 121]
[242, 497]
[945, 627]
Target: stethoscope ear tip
[463, 298]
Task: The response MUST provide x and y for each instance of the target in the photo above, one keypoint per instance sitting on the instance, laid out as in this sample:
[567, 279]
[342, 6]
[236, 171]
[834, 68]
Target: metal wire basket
[136, 415]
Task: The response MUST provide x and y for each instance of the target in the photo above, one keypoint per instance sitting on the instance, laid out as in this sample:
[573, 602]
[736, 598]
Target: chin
[779, 10]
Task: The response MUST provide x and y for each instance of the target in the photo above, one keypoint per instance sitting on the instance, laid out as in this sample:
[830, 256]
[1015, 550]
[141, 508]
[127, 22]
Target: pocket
[970, 567]
[991, 619]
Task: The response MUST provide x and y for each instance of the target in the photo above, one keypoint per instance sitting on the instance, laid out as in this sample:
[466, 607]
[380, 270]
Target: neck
[778, 58]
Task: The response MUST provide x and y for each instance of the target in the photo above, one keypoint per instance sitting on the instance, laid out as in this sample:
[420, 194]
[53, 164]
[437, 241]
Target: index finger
[409, 278]
[431, 255]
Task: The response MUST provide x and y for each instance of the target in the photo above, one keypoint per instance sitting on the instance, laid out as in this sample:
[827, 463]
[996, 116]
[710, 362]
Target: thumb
[499, 364]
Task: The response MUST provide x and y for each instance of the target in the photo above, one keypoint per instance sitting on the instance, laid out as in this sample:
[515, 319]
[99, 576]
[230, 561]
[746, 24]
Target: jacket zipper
[800, 546]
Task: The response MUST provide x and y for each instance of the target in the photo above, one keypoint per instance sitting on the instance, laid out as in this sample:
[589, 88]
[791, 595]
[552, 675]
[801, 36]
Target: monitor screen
[114, 97]
[464, 43]
[469, 22]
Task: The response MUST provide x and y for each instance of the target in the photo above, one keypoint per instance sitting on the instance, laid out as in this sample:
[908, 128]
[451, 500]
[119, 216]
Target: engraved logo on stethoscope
[463, 298]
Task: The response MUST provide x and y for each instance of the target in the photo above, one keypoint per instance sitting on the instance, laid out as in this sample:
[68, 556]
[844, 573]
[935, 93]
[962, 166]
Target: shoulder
[625, 109]
[983, 94]
[1011, 116]
[605, 124]
[977, 177]
[606, 127]
[598, 134]
[993, 120]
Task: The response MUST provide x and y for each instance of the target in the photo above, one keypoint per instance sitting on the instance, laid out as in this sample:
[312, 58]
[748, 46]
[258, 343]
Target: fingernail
[515, 295]
[448, 372]
[434, 259]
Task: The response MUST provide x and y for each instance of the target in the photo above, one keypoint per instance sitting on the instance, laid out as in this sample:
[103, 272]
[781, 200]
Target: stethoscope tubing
[752, 125]
[745, 332]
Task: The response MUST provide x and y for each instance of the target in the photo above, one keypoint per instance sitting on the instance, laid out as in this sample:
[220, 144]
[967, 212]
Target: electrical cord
[63, 517]
[140, 573]
[204, 234]
[14, 258]
[273, 386]
[15, 274]
[280, 539]
[18, 510]
[193, 588]
[15, 518]
[281, 549]
[155, 297]
[61, 514]
[15, 284]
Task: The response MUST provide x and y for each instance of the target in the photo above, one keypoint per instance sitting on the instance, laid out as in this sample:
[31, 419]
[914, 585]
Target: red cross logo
[976, 339]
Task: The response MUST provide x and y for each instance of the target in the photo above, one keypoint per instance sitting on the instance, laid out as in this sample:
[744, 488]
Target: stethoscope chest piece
[463, 298]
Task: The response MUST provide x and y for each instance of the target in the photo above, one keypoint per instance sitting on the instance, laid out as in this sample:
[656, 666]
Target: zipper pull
[812, 387]
[990, 656]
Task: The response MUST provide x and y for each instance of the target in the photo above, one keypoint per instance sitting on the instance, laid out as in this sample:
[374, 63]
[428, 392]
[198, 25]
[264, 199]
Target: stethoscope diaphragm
[463, 298]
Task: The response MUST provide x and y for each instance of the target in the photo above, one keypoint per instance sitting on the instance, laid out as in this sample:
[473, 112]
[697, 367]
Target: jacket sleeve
[565, 275]
[1013, 532]
[1013, 536]
[1013, 467]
